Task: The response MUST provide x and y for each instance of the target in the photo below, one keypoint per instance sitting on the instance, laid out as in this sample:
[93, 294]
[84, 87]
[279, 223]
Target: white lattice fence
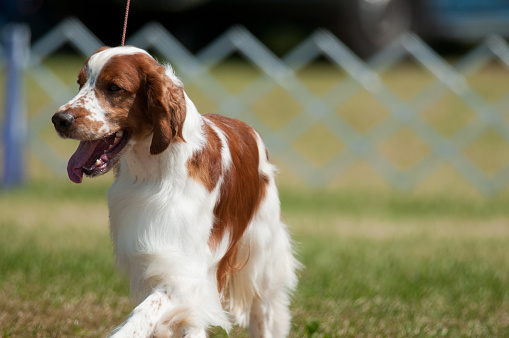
[315, 109]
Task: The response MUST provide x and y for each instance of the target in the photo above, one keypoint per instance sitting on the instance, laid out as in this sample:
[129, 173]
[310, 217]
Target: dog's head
[124, 96]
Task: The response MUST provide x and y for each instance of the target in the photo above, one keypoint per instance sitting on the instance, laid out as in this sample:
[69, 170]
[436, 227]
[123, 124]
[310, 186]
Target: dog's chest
[154, 217]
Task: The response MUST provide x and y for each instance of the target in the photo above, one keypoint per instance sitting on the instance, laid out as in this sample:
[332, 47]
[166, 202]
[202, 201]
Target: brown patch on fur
[205, 166]
[242, 191]
[82, 77]
[101, 49]
[83, 74]
[167, 107]
[147, 101]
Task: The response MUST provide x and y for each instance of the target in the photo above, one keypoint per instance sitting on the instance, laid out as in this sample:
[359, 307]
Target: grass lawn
[377, 264]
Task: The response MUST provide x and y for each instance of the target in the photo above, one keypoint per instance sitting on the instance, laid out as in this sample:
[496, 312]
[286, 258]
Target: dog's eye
[113, 88]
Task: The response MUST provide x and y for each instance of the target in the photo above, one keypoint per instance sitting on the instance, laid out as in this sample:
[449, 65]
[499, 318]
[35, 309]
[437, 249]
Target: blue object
[16, 37]
[467, 20]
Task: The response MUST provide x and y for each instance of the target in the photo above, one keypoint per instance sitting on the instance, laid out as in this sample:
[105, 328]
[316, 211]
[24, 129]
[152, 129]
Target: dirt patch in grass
[58, 215]
[372, 228]
[43, 317]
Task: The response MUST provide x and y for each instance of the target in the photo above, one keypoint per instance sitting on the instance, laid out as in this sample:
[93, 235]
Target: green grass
[391, 204]
[375, 264]
[404, 285]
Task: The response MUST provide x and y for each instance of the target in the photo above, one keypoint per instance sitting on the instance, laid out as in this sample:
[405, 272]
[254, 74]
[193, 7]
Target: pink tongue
[79, 158]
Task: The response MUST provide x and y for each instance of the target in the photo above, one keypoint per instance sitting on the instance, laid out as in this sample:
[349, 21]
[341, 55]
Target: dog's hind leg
[270, 317]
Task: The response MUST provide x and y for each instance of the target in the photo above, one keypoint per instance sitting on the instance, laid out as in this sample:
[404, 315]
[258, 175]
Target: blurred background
[388, 121]
[405, 95]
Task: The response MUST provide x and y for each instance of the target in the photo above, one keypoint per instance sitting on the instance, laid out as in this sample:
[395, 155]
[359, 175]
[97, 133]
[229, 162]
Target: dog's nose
[62, 121]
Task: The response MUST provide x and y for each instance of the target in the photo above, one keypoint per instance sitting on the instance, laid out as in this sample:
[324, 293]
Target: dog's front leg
[143, 320]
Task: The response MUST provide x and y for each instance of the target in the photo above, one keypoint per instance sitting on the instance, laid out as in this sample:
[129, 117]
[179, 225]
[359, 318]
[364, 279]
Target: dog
[194, 209]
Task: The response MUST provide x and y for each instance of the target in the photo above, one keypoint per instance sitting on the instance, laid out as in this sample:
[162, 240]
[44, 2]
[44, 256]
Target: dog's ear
[166, 108]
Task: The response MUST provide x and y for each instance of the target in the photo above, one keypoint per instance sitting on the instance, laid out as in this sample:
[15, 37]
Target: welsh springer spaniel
[194, 210]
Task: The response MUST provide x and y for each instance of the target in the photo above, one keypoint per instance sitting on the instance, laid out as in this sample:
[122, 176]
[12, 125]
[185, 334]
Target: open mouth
[96, 157]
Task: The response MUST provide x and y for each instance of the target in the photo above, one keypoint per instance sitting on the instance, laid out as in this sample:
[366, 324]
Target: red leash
[125, 21]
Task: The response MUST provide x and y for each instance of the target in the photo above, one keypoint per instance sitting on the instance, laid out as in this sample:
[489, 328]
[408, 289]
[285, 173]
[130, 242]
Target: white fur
[160, 222]
[87, 99]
